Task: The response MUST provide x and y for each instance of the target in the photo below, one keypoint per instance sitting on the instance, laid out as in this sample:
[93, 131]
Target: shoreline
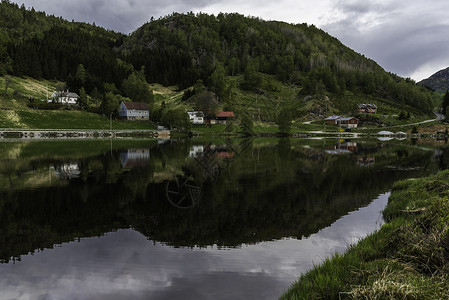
[407, 258]
[37, 134]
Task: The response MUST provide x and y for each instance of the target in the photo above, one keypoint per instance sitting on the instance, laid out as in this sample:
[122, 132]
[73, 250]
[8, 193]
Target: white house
[65, 97]
[196, 117]
[134, 111]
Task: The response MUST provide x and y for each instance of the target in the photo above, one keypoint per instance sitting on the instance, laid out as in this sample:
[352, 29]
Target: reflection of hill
[272, 192]
[260, 193]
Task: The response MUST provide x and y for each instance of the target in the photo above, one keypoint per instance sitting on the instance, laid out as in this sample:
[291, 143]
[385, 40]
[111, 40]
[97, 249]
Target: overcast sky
[409, 38]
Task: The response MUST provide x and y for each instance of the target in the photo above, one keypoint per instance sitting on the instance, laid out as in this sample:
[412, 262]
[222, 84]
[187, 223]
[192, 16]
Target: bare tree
[7, 82]
[207, 103]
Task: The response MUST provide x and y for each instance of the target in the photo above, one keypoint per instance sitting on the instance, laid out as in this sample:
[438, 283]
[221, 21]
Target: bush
[45, 106]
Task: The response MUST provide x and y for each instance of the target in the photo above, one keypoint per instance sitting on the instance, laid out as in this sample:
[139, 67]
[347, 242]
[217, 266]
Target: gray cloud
[410, 39]
[125, 265]
[123, 16]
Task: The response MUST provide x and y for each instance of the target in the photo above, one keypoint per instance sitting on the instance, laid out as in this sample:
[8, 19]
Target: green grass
[14, 112]
[72, 119]
[406, 259]
[263, 105]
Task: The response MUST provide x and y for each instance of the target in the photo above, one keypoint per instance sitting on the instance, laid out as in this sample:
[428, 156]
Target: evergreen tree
[252, 78]
[247, 124]
[111, 103]
[137, 88]
[284, 121]
[82, 100]
[176, 118]
[218, 81]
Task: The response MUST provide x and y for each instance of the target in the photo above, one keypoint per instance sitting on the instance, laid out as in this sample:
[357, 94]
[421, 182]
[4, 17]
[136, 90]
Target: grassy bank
[408, 258]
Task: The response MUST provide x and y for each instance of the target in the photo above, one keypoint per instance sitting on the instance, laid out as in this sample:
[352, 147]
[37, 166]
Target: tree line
[182, 48]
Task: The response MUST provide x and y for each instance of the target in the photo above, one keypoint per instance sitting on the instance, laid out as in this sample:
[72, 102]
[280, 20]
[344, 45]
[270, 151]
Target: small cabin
[223, 116]
[134, 111]
[350, 122]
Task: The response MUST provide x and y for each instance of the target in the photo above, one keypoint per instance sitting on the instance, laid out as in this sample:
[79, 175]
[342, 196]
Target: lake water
[194, 219]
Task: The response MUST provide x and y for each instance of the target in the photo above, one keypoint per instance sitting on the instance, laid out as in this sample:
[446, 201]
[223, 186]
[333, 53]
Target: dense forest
[179, 49]
[182, 49]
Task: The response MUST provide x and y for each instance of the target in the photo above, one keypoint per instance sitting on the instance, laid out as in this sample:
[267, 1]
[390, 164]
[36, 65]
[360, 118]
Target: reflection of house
[67, 171]
[135, 158]
[348, 147]
[223, 153]
[367, 108]
[348, 122]
[134, 111]
[366, 160]
[196, 117]
[196, 150]
[64, 97]
[223, 116]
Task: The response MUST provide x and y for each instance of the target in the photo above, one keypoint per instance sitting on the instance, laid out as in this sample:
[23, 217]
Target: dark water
[219, 219]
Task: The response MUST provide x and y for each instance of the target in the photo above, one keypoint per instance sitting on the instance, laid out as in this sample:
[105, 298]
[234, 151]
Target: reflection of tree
[185, 191]
[263, 192]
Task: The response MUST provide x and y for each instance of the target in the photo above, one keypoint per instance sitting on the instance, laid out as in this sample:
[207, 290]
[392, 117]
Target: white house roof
[196, 113]
[71, 95]
[64, 94]
[332, 118]
[347, 119]
[363, 105]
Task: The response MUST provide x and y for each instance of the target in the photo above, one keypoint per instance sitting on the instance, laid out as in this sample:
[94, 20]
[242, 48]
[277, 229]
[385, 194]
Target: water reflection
[246, 196]
[124, 265]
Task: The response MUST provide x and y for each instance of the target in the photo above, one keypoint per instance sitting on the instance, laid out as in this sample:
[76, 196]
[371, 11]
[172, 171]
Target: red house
[350, 122]
[223, 116]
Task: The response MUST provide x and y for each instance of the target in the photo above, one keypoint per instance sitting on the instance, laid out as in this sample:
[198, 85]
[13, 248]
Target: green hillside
[182, 48]
[15, 112]
[261, 69]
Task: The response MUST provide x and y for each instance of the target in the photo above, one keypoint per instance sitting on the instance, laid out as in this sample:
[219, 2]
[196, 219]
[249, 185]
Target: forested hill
[174, 48]
[181, 49]
[35, 44]
[438, 81]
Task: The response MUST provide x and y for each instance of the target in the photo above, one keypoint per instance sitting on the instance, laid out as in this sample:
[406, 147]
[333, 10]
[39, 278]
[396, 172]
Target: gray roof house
[65, 97]
[134, 111]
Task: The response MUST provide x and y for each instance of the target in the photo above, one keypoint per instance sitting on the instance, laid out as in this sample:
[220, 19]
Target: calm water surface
[226, 219]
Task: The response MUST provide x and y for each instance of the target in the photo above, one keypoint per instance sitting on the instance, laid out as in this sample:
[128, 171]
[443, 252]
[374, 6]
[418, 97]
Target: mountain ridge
[438, 82]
